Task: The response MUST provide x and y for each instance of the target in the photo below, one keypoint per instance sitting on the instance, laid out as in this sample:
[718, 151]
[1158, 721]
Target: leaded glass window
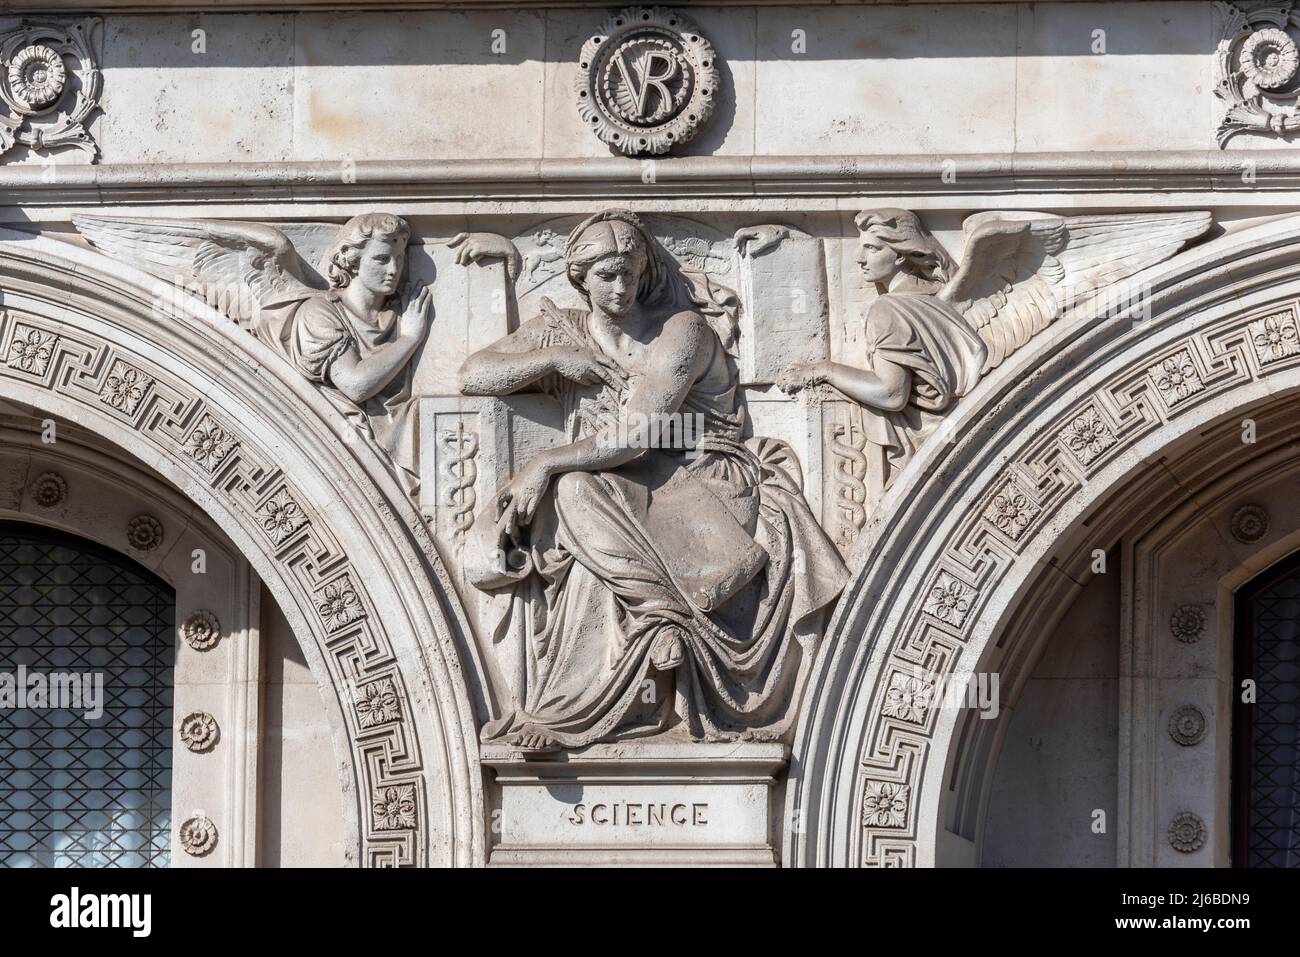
[77, 790]
[1266, 756]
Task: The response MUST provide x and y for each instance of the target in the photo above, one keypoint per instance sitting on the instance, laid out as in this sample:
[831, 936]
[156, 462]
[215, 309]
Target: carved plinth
[645, 803]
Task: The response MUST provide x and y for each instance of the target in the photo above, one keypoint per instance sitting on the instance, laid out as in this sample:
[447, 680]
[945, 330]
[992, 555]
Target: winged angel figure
[342, 324]
[937, 328]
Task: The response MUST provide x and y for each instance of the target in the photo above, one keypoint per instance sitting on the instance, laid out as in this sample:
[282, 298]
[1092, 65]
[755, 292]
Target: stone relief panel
[629, 436]
[938, 327]
[663, 568]
[50, 84]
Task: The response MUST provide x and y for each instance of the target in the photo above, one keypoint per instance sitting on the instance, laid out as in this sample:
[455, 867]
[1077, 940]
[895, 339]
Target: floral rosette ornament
[647, 81]
[42, 107]
[37, 76]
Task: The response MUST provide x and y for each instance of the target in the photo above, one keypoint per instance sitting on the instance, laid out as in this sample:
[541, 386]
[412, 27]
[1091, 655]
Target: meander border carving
[1101, 417]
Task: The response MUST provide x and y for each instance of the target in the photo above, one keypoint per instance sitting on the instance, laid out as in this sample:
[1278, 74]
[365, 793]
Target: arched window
[1266, 733]
[83, 630]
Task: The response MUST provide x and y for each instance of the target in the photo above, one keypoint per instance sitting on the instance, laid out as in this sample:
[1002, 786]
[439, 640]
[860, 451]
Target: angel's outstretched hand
[477, 247]
[802, 375]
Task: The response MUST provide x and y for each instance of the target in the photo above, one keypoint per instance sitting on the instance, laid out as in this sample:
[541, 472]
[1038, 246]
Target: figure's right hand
[414, 320]
[585, 367]
[801, 376]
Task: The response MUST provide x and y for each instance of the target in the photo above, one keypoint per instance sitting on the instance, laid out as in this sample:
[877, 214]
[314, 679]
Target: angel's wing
[1020, 271]
[235, 267]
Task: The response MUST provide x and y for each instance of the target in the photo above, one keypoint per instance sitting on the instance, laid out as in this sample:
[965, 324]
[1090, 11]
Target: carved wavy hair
[344, 257]
[901, 231]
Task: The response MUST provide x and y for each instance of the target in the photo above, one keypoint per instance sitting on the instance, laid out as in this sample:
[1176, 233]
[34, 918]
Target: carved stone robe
[716, 543]
[934, 341]
[313, 333]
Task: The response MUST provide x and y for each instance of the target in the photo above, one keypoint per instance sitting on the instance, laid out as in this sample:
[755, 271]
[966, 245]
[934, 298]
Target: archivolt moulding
[356, 575]
[1069, 422]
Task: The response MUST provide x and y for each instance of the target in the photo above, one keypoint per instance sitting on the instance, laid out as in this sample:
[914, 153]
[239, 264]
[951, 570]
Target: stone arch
[1024, 465]
[319, 516]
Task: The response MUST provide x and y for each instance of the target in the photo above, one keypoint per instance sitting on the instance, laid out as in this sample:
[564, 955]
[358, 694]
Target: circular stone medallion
[37, 76]
[647, 81]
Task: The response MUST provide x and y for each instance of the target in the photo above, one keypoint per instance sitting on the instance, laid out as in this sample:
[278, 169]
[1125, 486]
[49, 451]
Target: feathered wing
[235, 267]
[1020, 271]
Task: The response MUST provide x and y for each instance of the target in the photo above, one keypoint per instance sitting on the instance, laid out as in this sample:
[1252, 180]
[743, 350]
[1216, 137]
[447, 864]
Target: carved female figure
[345, 330]
[660, 578]
[938, 327]
[354, 340]
[921, 351]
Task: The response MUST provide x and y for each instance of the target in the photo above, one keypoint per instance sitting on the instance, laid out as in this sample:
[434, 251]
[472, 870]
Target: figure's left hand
[518, 501]
[476, 247]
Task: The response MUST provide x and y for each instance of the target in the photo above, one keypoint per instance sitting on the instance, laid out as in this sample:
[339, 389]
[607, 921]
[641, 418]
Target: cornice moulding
[282, 6]
[1238, 171]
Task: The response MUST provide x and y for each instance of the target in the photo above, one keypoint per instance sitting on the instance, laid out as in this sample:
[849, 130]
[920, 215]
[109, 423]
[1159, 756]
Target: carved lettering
[639, 814]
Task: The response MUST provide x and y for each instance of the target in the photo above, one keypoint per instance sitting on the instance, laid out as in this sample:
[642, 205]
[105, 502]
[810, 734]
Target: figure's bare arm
[520, 359]
[887, 386]
[681, 355]
[359, 378]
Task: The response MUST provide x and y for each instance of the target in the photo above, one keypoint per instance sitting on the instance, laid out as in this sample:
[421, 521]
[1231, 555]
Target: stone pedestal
[648, 803]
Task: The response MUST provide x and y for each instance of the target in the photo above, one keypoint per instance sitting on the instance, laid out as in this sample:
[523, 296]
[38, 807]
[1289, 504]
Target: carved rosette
[49, 490]
[199, 731]
[394, 808]
[45, 109]
[1187, 623]
[198, 835]
[1275, 337]
[1256, 65]
[1187, 833]
[144, 533]
[1249, 524]
[884, 804]
[647, 81]
[201, 630]
[1187, 726]
[377, 703]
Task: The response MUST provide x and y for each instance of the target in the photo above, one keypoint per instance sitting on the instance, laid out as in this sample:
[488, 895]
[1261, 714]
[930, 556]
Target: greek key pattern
[1002, 521]
[104, 376]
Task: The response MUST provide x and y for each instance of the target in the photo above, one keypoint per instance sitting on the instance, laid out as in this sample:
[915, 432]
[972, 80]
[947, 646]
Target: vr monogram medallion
[647, 81]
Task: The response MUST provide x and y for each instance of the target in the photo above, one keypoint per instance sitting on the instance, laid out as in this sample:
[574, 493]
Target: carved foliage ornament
[50, 84]
[647, 81]
[1256, 63]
